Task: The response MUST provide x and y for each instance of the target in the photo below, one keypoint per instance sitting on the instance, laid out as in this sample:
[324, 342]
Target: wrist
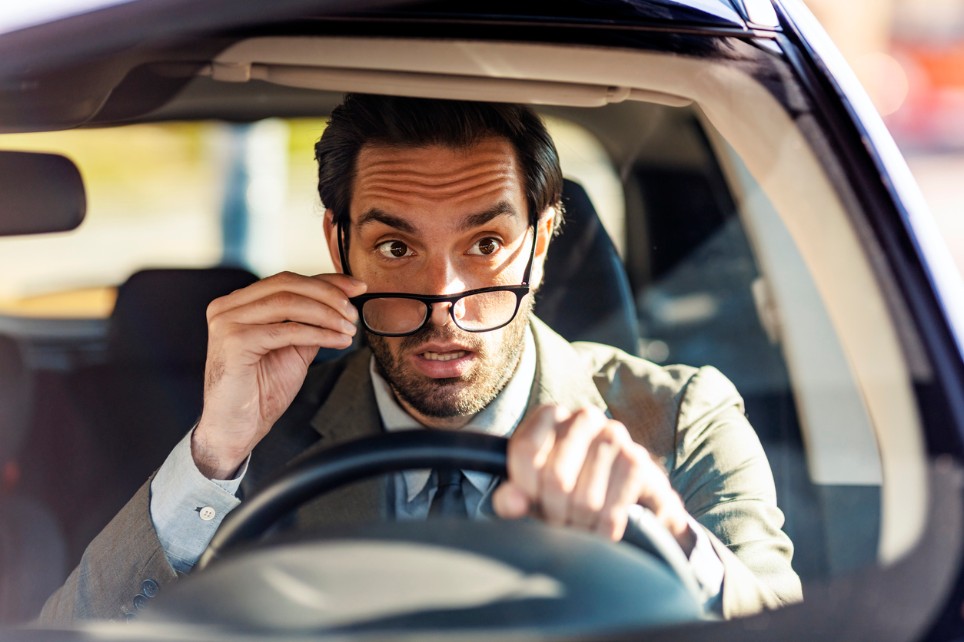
[214, 462]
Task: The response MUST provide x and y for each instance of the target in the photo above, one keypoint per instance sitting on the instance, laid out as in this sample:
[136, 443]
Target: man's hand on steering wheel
[583, 470]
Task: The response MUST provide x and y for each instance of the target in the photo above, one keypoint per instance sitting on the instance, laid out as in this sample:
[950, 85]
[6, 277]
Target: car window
[199, 194]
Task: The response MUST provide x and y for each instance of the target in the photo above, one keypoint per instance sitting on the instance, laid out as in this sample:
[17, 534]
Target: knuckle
[586, 505]
[554, 481]
[586, 416]
[607, 437]
[279, 330]
[608, 519]
[216, 324]
[280, 299]
[524, 447]
[627, 458]
[215, 308]
[617, 429]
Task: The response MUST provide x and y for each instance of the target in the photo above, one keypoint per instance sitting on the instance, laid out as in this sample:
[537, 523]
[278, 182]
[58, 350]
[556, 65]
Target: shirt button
[149, 588]
[207, 513]
[139, 601]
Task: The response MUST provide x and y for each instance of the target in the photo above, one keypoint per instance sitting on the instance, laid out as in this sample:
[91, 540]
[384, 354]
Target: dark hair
[416, 122]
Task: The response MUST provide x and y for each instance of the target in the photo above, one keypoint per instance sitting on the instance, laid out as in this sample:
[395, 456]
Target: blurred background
[909, 54]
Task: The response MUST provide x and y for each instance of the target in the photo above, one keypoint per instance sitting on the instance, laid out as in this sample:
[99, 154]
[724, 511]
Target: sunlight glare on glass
[20, 15]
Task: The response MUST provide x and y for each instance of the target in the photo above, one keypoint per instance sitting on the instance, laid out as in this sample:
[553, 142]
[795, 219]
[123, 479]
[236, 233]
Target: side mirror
[39, 193]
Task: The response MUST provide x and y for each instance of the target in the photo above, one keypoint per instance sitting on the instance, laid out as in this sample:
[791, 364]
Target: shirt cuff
[187, 507]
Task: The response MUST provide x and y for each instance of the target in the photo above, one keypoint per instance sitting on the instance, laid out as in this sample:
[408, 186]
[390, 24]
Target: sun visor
[39, 193]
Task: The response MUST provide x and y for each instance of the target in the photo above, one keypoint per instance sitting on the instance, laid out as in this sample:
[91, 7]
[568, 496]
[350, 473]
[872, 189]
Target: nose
[442, 279]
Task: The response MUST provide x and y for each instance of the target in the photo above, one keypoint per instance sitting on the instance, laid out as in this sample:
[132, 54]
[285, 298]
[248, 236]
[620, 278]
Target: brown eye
[487, 246]
[393, 249]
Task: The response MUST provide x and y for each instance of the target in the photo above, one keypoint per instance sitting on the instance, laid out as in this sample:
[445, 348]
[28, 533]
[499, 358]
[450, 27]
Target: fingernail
[351, 312]
[348, 328]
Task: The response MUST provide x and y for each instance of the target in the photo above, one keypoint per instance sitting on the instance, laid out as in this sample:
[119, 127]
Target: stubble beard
[459, 396]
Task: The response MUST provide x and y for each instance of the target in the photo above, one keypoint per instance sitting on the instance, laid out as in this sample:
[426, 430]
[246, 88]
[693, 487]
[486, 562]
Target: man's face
[436, 220]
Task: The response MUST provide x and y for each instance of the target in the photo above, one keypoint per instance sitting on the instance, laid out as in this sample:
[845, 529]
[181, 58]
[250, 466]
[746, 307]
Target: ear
[544, 231]
[331, 236]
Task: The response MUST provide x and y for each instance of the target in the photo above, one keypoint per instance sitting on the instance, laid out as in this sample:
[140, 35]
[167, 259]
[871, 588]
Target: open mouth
[444, 356]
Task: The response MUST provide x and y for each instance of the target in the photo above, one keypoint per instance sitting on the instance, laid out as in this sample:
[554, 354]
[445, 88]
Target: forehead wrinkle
[395, 163]
[445, 183]
[407, 192]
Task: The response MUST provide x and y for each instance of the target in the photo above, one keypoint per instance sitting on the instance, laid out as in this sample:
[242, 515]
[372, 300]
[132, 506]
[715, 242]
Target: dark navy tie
[448, 500]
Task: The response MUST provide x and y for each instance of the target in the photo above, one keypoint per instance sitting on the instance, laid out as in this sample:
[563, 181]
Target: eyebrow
[375, 215]
[502, 208]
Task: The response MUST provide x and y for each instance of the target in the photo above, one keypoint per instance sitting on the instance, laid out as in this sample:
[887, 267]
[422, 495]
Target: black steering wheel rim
[331, 468]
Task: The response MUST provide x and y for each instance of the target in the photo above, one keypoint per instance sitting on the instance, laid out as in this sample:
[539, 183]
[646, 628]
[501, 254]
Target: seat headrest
[585, 295]
[160, 314]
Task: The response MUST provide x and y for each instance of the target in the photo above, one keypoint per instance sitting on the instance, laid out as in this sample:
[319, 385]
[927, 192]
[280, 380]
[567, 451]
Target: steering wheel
[440, 573]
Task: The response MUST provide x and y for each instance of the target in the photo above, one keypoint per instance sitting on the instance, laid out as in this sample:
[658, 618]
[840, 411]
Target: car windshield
[740, 241]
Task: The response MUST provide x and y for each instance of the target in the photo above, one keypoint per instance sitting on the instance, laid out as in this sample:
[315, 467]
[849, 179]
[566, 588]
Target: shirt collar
[498, 418]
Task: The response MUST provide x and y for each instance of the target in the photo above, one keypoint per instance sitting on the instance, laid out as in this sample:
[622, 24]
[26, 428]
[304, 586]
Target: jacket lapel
[349, 412]
[562, 376]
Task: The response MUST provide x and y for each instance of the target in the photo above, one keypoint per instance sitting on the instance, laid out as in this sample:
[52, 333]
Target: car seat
[585, 295]
[31, 544]
[147, 393]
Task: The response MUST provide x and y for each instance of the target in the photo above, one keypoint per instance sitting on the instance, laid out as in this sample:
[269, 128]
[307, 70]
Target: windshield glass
[736, 281]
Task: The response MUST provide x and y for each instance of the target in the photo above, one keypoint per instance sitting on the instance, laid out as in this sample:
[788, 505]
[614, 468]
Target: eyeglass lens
[474, 313]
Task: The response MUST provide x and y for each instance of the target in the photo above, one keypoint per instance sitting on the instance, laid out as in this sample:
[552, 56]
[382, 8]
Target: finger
[347, 284]
[510, 502]
[284, 306]
[530, 445]
[251, 342]
[564, 463]
[592, 487]
[332, 288]
[626, 483]
[658, 495]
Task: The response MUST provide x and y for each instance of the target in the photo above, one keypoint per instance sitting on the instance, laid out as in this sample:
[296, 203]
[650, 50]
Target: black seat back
[139, 403]
[31, 544]
[585, 295]
[159, 318]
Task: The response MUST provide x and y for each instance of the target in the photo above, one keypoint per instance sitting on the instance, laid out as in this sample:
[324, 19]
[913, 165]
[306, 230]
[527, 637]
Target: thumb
[510, 502]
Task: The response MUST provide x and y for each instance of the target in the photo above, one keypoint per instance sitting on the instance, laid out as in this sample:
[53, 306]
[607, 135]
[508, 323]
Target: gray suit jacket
[690, 419]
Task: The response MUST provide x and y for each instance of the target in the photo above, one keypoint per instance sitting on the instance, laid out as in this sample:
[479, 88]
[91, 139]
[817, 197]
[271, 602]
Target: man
[439, 216]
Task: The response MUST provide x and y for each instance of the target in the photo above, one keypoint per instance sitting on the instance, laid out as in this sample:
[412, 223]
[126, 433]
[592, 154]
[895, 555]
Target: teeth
[444, 356]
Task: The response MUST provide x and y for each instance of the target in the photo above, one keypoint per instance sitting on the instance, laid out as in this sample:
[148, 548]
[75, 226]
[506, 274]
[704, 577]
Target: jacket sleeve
[121, 570]
[723, 476]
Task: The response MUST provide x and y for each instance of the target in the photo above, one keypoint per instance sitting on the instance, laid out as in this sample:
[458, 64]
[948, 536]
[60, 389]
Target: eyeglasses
[399, 314]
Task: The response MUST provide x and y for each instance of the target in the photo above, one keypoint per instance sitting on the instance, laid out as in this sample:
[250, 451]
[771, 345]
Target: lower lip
[442, 369]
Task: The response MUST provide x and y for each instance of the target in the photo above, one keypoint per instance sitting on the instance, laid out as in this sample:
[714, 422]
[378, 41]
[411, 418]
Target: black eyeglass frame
[429, 300]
